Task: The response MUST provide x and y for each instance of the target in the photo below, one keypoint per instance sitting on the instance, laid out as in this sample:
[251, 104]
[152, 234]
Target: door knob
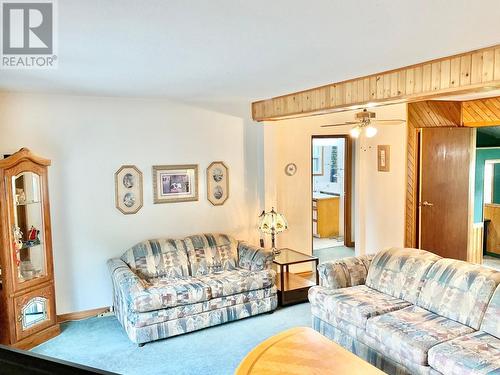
[428, 204]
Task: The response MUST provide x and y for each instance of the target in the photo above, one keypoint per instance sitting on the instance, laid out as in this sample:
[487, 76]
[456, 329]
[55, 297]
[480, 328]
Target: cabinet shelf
[27, 245]
[28, 203]
[293, 281]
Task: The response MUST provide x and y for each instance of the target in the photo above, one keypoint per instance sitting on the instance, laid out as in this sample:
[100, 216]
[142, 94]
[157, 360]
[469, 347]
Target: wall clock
[290, 169]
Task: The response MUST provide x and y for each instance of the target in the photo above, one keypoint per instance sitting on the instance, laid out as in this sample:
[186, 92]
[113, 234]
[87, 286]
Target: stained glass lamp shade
[272, 223]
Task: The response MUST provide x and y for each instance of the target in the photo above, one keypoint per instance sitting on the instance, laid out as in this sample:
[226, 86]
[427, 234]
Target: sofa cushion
[330, 318]
[158, 258]
[491, 320]
[164, 292]
[345, 272]
[354, 305]
[476, 353]
[458, 290]
[254, 258]
[236, 281]
[412, 331]
[211, 253]
[400, 272]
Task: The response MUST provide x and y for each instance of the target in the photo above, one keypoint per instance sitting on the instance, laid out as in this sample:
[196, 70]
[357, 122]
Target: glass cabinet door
[28, 227]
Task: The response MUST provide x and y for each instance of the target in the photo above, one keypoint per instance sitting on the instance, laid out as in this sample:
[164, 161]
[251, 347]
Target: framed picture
[128, 189]
[384, 158]
[217, 183]
[175, 183]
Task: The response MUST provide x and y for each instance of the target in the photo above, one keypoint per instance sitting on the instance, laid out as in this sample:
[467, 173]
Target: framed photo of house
[217, 183]
[384, 158]
[128, 189]
[175, 183]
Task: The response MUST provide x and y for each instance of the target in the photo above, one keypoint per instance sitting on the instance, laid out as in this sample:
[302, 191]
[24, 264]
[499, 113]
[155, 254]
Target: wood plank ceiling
[485, 112]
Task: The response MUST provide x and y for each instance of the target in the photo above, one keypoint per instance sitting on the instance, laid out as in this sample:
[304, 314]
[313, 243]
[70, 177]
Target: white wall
[89, 138]
[379, 197]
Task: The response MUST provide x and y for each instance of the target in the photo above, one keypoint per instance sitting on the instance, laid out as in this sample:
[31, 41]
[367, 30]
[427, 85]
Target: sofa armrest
[254, 258]
[346, 272]
[126, 284]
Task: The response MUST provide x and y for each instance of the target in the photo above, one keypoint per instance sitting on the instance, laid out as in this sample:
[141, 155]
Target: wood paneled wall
[412, 186]
[468, 72]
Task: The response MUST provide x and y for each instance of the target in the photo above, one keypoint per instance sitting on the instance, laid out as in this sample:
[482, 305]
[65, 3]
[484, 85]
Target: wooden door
[444, 191]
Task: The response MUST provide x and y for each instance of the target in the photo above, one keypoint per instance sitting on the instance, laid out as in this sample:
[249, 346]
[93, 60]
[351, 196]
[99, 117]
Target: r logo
[27, 28]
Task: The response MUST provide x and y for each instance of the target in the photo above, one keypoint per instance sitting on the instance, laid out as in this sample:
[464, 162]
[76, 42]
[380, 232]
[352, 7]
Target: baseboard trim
[82, 314]
[38, 338]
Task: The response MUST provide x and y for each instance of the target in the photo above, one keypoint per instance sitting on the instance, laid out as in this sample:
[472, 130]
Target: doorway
[487, 193]
[458, 211]
[331, 188]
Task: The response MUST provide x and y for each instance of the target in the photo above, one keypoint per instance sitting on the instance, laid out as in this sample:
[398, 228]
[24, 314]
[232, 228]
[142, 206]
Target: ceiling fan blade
[388, 122]
[341, 124]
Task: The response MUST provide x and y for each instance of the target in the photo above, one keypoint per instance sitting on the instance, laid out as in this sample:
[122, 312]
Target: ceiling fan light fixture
[370, 131]
[355, 132]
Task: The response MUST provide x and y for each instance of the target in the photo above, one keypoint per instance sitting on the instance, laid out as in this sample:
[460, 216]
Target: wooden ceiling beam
[474, 71]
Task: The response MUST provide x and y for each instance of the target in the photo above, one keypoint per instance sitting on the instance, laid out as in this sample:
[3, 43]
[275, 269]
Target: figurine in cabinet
[27, 293]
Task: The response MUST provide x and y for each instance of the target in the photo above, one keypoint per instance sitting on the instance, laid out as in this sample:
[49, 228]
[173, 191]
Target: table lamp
[272, 223]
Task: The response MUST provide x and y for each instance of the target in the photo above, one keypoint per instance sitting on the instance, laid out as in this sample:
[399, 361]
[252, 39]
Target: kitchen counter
[325, 215]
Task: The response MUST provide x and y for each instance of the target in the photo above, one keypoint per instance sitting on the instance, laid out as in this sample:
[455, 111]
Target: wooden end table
[302, 351]
[292, 287]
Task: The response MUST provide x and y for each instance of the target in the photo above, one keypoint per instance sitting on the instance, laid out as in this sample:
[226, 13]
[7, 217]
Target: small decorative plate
[290, 169]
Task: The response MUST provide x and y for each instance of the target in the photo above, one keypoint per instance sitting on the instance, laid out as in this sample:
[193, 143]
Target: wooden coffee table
[303, 351]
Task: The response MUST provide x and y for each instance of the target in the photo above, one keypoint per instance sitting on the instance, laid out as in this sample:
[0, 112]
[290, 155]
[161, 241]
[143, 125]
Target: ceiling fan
[365, 121]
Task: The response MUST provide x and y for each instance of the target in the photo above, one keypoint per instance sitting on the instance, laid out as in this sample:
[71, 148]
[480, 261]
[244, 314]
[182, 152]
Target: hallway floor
[323, 243]
[333, 253]
[491, 262]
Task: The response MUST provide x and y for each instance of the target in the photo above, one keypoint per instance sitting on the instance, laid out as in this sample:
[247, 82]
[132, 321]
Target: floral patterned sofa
[409, 311]
[167, 287]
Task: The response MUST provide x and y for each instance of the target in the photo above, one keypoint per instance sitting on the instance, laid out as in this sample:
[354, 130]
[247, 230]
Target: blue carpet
[102, 343]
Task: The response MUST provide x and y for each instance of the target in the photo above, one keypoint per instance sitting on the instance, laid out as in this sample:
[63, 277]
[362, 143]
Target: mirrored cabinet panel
[27, 293]
[34, 312]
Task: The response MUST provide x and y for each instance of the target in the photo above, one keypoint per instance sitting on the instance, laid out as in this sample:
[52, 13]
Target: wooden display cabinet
[27, 295]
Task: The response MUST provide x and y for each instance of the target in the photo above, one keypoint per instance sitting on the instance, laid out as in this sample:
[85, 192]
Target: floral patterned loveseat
[167, 287]
[409, 311]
